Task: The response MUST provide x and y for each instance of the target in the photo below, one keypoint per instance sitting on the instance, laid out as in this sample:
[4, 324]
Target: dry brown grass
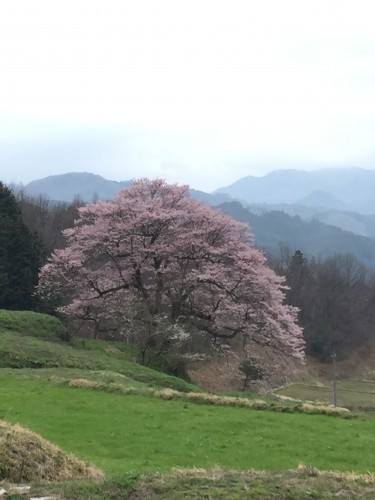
[305, 482]
[324, 409]
[168, 394]
[26, 456]
[212, 399]
[368, 478]
[198, 397]
[84, 383]
[302, 469]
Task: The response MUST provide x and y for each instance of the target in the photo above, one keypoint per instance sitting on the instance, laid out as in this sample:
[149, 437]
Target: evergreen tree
[21, 256]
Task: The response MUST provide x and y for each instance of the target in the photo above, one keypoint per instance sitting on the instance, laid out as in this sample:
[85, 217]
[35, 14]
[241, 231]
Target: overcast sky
[199, 91]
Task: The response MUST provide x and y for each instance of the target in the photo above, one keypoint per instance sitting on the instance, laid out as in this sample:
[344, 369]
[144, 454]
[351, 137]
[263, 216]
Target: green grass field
[353, 394]
[124, 432]
[134, 438]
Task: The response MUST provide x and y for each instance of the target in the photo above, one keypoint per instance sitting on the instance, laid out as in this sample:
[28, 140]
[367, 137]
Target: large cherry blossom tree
[155, 259]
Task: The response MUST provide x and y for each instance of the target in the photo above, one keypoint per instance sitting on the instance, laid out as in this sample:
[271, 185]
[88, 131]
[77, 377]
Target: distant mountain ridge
[350, 189]
[308, 228]
[274, 229]
[66, 187]
[359, 224]
[87, 186]
[322, 199]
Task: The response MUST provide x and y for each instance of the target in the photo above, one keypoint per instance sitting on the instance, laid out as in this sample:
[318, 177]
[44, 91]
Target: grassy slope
[31, 323]
[120, 433]
[23, 345]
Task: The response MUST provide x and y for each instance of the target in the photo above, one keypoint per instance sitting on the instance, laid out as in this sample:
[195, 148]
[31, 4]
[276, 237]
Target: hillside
[32, 341]
[359, 224]
[66, 187]
[312, 237]
[350, 189]
[138, 425]
[322, 199]
[87, 186]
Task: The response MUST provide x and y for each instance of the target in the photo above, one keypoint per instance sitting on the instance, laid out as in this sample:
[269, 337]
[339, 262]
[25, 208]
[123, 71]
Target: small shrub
[251, 371]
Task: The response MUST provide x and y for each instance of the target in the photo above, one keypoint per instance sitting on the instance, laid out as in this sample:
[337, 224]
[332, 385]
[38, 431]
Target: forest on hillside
[335, 295]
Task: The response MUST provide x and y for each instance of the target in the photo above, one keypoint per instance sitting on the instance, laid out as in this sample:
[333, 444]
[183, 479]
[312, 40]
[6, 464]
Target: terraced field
[93, 400]
[354, 394]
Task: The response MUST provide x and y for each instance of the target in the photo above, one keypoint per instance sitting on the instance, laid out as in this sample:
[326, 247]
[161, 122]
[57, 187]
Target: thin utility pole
[333, 355]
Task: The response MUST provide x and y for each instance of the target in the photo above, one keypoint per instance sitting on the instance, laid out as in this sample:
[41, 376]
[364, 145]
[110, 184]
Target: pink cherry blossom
[154, 251]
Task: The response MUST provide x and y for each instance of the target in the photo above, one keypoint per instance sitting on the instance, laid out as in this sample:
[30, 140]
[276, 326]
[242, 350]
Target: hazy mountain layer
[308, 228]
[360, 224]
[66, 187]
[350, 189]
[274, 229]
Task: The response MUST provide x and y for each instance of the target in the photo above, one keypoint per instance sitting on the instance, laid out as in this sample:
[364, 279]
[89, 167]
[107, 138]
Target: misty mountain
[272, 229]
[322, 199]
[212, 199]
[67, 187]
[309, 229]
[360, 224]
[350, 189]
[86, 186]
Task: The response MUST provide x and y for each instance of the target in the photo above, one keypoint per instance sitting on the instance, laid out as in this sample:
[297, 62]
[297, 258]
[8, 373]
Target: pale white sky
[200, 91]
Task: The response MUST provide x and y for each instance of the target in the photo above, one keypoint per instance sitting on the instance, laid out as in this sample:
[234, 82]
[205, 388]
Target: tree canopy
[336, 299]
[20, 256]
[153, 256]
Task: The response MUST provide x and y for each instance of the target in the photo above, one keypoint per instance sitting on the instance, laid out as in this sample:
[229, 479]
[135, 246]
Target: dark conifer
[21, 256]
